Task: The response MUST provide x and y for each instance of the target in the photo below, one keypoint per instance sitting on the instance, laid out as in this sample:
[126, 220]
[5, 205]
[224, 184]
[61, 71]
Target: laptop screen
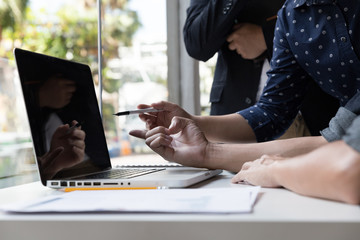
[58, 92]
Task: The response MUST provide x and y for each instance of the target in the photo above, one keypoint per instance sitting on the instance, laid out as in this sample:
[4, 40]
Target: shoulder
[287, 9]
[293, 11]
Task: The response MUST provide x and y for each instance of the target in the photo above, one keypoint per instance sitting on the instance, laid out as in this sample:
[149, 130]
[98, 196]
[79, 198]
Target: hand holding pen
[67, 148]
[162, 114]
[75, 126]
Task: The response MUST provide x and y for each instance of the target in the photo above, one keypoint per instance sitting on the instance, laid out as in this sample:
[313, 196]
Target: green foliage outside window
[70, 33]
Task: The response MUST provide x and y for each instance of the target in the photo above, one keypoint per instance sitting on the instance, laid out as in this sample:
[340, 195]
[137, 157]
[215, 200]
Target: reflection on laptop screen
[57, 92]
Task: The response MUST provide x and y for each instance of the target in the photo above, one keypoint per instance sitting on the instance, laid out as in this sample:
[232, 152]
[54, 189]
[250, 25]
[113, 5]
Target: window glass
[134, 65]
[136, 72]
[206, 72]
[16, 153]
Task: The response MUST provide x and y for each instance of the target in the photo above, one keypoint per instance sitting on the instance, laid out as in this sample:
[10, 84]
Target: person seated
[305, 52]
[326, 166]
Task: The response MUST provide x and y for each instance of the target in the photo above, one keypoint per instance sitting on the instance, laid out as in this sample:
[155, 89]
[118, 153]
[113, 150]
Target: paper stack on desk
[207, 200]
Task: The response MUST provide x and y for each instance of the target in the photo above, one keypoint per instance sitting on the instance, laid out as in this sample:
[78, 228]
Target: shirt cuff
[352, 136]
[338, 125]
[260, 123]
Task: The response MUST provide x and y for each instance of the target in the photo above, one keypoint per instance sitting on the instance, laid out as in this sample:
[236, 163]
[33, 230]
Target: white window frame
[183, 71]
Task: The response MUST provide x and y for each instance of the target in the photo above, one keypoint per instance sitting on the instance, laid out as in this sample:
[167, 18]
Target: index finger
[138, 133]
[142, 106]
[239, 177]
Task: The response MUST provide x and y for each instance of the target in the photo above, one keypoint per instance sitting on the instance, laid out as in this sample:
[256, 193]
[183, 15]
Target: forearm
[231, 128]
[232, 156]
[331, 172]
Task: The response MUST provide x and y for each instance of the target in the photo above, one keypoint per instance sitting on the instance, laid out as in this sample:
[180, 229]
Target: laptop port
[72, 184]
[79, 183]
[110, 183]
[87, 183]
[97, 183]
[63, 184]
[54, 184]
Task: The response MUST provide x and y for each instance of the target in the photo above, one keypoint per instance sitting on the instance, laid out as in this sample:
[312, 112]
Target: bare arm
[185, 143]
[226, 128]
[331, 172]
[232, 156]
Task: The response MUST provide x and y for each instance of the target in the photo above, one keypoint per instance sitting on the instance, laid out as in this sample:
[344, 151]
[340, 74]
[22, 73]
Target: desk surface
[278, 214]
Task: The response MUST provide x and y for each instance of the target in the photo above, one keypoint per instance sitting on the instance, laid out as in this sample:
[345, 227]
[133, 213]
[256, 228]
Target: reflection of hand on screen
[67, 149]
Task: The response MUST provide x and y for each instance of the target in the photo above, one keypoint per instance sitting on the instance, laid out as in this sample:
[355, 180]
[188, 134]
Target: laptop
[58, 92]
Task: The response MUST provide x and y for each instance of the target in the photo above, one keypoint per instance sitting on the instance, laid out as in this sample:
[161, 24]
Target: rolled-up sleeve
[346, 124]
[352, 136]
[338, 125]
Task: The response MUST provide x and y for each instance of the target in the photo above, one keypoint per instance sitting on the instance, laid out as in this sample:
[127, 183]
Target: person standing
[241, 32]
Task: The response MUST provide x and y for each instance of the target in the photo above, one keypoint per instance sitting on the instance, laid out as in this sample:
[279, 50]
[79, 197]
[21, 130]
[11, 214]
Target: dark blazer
[236, 80]
[207, 26]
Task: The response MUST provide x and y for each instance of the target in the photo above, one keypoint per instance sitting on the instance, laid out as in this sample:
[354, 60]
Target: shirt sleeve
[346, 124]
[207, 25]
[338, 125]
[284, 91]
[352, 136]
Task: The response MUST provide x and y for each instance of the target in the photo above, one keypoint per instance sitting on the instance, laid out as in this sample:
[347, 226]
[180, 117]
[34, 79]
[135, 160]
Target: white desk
[278, 214]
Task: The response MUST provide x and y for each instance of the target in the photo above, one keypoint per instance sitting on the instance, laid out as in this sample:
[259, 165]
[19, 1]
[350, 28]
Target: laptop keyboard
[124, 173]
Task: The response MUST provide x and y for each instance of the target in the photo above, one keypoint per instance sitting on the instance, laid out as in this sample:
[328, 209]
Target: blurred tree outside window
[134, 64]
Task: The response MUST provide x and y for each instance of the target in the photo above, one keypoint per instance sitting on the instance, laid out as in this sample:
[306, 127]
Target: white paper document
[210, 200]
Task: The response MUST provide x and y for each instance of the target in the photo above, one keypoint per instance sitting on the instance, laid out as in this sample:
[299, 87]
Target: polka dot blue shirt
[315, 40]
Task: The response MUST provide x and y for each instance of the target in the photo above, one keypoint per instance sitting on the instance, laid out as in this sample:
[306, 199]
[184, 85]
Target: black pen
[138, 111]
[72, 128]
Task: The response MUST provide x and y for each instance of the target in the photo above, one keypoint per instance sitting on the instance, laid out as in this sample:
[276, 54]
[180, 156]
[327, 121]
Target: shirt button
[248, 100]
[343, 39]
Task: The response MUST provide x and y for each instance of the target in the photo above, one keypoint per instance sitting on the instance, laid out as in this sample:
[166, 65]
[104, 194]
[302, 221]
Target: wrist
[220, 156]
[277, 170]
[195, 118]
[210, 156]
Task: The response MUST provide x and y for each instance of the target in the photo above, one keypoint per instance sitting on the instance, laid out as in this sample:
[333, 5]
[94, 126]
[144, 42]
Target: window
[135, 70]
[144, 60]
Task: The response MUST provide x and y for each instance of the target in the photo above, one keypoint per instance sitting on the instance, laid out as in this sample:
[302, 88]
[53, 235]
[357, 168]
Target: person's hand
[47, 160]
[163, 118]
[182, 142]
[73, 143]
[56, 92]
[247, 40]
[259, 172]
